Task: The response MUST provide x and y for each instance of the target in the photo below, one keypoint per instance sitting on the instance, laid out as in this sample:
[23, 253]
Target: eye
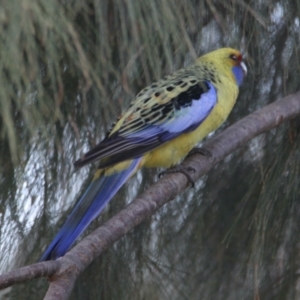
[233, 57]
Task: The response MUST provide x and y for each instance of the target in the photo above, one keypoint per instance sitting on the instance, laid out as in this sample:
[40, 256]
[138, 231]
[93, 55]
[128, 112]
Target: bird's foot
[201, 151]
[180, 169]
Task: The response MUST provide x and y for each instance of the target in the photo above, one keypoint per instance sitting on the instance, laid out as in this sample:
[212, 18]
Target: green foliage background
[67, 68]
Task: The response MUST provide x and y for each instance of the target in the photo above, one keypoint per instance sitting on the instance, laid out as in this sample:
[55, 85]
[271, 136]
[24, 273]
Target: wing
[153, 119]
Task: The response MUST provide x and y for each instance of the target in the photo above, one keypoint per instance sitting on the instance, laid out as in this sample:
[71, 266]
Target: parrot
[162, 124]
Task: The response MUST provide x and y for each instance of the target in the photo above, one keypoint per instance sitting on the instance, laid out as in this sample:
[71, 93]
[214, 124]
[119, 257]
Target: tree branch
[64, 271]
[43, 269]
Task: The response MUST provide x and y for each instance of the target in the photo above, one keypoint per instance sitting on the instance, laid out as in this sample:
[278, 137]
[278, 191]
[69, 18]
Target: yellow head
[226, 60]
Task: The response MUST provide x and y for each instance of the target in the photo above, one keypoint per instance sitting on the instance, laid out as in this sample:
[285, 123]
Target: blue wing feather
[185, 113]
[184, 119]
[192, 115]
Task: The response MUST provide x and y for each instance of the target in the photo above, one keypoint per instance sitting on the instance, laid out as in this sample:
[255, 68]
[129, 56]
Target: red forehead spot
[240, 58]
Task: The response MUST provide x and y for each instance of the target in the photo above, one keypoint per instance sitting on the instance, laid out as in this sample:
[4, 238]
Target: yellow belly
[176, 150]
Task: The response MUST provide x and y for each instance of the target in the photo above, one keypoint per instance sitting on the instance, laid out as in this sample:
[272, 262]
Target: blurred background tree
[67, 68]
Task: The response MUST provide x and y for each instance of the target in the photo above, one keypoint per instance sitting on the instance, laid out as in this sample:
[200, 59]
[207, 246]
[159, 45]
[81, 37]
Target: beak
[244, 67]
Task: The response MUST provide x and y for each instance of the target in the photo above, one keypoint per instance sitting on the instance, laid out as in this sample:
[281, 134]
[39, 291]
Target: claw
[181, 169]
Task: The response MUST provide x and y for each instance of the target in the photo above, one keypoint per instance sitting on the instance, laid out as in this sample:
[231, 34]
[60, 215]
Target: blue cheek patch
[238, 74]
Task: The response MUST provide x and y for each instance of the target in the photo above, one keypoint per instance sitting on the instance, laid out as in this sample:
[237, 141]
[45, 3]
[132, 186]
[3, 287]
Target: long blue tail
[88, 208]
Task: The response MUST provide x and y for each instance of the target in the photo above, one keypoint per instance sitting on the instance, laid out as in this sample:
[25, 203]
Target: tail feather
[98, 194]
